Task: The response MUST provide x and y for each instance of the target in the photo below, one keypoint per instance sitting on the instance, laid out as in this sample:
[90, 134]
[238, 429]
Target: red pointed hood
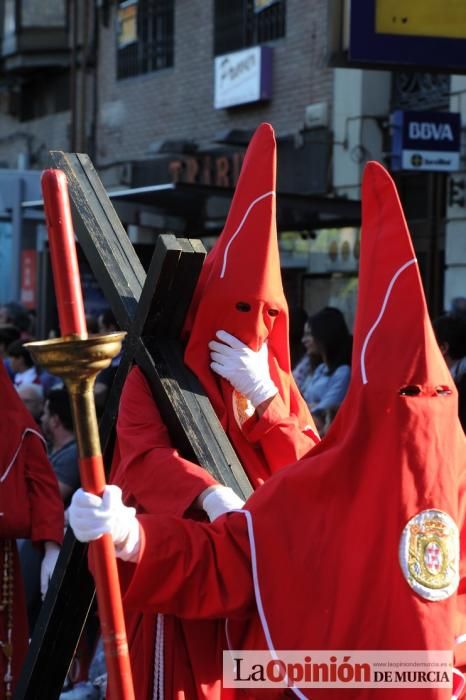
[398, 370]
[376, 508]
[392, 322]
[240, 287]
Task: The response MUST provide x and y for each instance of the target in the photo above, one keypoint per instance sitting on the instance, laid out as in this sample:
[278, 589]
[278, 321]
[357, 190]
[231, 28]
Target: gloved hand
[91, 517]
[221, 500]
[245, 369]
[52, 550]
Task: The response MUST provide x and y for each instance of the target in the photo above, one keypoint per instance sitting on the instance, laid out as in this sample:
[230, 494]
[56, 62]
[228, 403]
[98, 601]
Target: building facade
[170, 91]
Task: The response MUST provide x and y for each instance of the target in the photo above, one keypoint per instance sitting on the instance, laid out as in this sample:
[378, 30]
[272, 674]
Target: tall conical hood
[240, 287]
[377, 508]
[394, 341]
[397, 364]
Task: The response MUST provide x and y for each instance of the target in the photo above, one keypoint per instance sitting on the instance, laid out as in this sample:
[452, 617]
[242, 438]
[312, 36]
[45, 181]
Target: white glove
[221, 500]
[91, 517]
[52, 550]
[247, 370]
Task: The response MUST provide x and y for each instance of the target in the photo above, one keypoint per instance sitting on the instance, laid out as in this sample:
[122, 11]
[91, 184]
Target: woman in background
[308, 361]
[327, 335]
[450, 331]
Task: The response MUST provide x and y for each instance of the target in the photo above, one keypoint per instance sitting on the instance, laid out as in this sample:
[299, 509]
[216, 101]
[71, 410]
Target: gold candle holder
[78, 361]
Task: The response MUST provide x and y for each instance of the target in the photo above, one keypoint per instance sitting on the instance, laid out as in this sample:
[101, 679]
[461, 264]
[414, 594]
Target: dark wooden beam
[59, 625]
[102, 236]
[151, 309]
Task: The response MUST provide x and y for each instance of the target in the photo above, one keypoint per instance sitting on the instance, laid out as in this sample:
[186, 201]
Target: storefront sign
[243, 77]
[28, 278]
[221, 170]
[426, 141]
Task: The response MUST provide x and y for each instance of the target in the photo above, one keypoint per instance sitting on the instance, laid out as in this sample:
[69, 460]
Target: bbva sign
[436, 130]
[427, 131]
[425, 140]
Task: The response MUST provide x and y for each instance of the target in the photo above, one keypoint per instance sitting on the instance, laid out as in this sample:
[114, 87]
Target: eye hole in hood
[443, 390]
[410, 390]
[415, 390]
[243, 306]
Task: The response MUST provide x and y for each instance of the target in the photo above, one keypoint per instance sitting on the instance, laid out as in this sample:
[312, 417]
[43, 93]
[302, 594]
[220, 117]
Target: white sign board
[243, 77]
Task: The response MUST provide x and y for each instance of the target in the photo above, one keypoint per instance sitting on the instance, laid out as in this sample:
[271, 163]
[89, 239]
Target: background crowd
[323, 371]
[321, 347]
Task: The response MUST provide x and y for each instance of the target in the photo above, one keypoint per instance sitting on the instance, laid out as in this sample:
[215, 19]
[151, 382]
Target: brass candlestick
[78, 360]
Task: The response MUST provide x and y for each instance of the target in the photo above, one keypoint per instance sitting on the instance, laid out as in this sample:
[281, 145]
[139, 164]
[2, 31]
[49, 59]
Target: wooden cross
[151, 309]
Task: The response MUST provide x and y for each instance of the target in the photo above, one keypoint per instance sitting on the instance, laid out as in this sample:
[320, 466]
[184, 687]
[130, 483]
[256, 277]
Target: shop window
[145, 30]
[39, 99]
[247, 23]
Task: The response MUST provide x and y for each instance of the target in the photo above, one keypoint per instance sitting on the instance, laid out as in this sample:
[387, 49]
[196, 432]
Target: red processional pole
[77, 358]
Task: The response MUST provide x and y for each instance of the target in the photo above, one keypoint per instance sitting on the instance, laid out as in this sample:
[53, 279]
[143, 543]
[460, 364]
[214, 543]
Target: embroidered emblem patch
[429, 554]
[242, 408]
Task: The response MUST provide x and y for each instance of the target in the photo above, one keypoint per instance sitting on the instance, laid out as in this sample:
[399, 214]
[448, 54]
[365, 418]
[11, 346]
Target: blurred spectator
[8, 333]
[57, 426]
[326, 387]
[95, 688]
[309, 361]
[458, 306]
[25, 371]
[450, 331]
[17, 315]
[32, 395]
[106, 321]
[32, 322]
[298, 318]
[107, 324]
[22, 364]
[92, 324]
[48, 381]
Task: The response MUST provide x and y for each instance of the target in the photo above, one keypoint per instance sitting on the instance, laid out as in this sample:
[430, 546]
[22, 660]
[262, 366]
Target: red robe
[40, 518]
[240, 291]
[156, 479]
[368, 550]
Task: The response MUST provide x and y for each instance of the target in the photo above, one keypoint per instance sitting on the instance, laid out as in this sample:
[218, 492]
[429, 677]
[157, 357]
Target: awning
[208, 205]
[204, 207]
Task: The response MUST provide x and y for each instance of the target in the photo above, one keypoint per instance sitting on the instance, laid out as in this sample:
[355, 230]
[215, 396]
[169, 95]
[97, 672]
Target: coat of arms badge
[429, 554]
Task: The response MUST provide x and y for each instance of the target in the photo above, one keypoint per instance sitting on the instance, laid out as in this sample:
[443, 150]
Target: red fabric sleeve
[150, 471]
[280, 436]
[193, 570]
[45, 501]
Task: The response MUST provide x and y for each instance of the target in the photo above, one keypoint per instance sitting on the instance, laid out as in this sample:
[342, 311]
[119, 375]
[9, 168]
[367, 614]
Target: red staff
[77, 359]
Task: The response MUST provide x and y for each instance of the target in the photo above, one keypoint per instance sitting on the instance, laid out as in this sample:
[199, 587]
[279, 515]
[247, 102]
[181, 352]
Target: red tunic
[156, 479]
[239, 290]
[365, 553]
[40, 517]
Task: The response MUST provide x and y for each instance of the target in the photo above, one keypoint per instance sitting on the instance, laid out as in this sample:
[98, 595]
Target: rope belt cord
[6, 607]
[158, 691]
